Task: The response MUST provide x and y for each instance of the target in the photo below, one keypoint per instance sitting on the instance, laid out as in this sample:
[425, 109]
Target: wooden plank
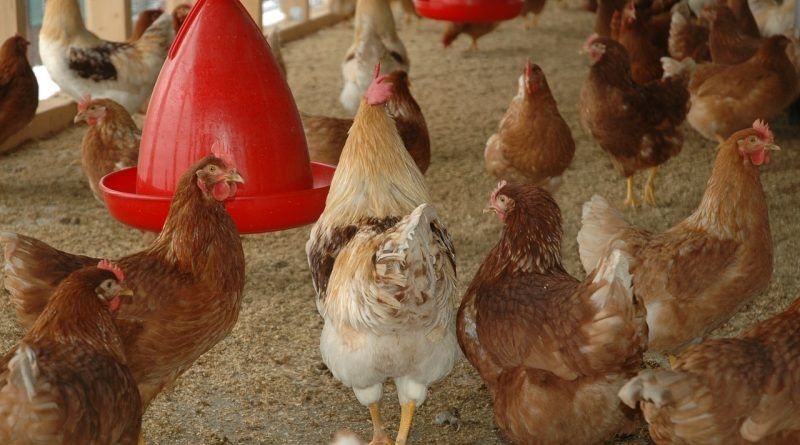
[255, 8]
[13, 19]
[52, 116]
[109, 19]
[301, 29]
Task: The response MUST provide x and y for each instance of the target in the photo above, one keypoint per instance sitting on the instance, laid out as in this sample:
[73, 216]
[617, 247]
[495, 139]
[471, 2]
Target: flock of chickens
[561, 356]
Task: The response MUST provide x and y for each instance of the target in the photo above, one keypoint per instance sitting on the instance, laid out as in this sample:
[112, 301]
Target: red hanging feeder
[221, 84]
[471, 11]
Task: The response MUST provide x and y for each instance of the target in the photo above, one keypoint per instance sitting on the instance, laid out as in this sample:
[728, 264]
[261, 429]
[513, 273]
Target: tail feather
[24, 370]
[32, 271]
[600, 225]
[411, 240]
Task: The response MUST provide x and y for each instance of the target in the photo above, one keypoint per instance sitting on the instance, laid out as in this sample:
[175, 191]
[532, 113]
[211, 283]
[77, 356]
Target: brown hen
[111, 143]
[533, 143]
[728, 44]
[19, 90]
[474, 30]
[553, 350]
[637, 125]
[645, 57]
[188, 284]
[687, 38]
[733, 391]
[67, 382]
[694, 276]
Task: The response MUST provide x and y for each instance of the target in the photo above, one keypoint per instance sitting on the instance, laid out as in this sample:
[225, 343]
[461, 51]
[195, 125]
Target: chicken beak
[80, 117]
[127, 292]
[772, 147]
[234, 176]
[490, 209]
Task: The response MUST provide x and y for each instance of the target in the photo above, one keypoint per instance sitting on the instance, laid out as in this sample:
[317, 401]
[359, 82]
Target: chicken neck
[734, 202]
[62, 20]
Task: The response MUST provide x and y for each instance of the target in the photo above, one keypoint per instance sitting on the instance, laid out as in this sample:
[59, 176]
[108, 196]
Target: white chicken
[83, 64]
[375, 41]
[384, 270]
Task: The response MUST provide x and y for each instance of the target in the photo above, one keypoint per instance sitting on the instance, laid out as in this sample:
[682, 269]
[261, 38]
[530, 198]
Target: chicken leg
[649, 193]
[406, 416]
[630, 200]
[379, 436]
[474, 47]
[141, 439]
[532, 22]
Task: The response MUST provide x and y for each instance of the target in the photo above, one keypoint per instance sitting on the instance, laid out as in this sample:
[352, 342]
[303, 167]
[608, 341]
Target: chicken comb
[84, 103]
[111, 267]
[497, 189]
[762, 128]
[222, 151]
[379, 90]
[529, 69]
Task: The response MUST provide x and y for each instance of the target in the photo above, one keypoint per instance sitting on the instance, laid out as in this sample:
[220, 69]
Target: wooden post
[109, 19]
[255, 8]
[290, 5]
[13, 19]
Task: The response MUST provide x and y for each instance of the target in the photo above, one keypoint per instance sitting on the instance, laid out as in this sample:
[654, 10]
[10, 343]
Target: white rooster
[384, 270]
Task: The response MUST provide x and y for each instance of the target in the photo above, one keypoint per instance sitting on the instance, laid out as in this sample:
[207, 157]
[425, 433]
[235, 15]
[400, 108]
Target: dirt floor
[266, 384]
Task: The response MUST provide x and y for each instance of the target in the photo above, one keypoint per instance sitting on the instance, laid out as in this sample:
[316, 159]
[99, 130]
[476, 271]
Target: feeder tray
[221, 85]
[471, 11]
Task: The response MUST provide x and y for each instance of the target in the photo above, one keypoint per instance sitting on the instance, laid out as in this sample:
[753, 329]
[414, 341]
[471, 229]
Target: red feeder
[471, 11]
[221, 84]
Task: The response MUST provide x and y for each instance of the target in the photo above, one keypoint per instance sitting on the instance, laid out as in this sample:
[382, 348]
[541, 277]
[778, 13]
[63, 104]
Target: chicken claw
[649, 192]
[631, 199]
[379, 436]
[406, 416]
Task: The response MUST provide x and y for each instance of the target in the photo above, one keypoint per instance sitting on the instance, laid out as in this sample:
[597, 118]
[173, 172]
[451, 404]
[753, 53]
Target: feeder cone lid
[470, 11]
[220, 84]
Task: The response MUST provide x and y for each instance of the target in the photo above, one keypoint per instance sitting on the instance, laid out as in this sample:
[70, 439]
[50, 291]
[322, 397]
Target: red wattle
[113, 305]
[759, 157]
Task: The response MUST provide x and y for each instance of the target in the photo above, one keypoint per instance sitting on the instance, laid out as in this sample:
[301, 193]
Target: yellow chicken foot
[630, 200]
[532, 22]
[141, 439]
[474, 47]
[649, 192]
[672, 360]
[379, 436]
[406, 416]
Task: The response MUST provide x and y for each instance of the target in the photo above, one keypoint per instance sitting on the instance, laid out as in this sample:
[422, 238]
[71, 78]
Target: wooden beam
[298, 30]
[255, 8]
[52, 116]
[110, 20]
[13, 19]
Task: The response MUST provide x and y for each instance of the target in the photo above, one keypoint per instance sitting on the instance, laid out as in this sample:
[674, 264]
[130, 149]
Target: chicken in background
[81, 63]
[326, 136]
[694, 276]
[533, 143]
[773, 17]
[67, 382]
[534, 8]
[644, 56]
[384, 271]
[409, 10]
[727, 43]
[187, 284]
[636, 125]
[605, 14]
[744, 17]
[375, 42]
[143, 21]
[553, 350]
[19, 90]
[179, 15]
[474, 30]
[687, 37]
[725, 99]
[111, 143]
[739, 390]
[274, 41]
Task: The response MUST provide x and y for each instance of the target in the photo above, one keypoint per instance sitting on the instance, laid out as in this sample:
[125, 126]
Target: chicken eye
[212, 169]
[751, 139]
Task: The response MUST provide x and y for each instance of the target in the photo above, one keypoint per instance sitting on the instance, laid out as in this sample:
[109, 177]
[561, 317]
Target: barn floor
[266, 384]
